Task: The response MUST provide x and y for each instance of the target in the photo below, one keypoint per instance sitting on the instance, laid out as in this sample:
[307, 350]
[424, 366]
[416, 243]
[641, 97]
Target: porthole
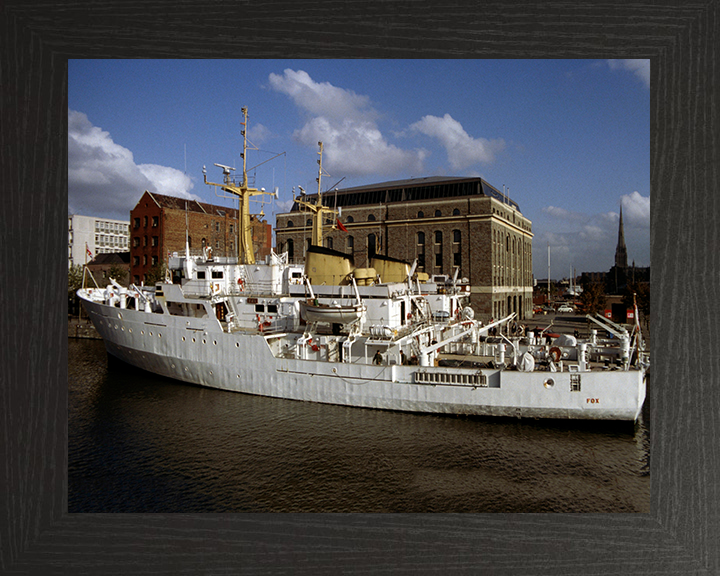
[159, 335]
[130, 330]
[193, 339]
[119, 315]
[237, 345]
[214, 342]
[142, 332]
[150, 333]
[183, 338]
[549, 383]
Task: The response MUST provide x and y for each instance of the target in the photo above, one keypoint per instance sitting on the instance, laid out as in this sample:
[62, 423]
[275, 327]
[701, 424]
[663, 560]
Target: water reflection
[141, 443]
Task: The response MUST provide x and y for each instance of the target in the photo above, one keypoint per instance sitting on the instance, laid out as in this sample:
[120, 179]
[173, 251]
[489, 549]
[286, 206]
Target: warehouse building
[159, 223]
[443, 223]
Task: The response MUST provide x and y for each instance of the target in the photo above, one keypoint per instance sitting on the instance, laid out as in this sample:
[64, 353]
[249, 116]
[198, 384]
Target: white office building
[99, 235]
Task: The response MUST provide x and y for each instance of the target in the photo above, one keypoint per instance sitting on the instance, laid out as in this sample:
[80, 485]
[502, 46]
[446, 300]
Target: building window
[231, 228]
[421, 251]
[421, 214]
[145, 221]
[136, 261]
[371, 246]
[349, 220]
[290, 224]
[308, 222]
[145, 260]
[351, 245]
[438, 251]
[456, 212]
[154, 240]
[438, 213]
[154, 260]
[457, 254]
[217, 226]
[290, 249]
[136, 223]
[155, 221]
[371, 218]
[328, 242]
[144, 241]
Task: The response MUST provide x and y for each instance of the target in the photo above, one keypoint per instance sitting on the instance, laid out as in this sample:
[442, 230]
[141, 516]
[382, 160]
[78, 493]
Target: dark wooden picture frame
[679, 536]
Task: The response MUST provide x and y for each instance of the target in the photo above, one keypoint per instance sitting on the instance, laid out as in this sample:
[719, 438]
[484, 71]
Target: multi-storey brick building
[158, 225]
[444, 223]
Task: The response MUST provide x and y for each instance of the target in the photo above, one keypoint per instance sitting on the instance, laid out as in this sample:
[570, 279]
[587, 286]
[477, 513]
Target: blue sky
[569, 138]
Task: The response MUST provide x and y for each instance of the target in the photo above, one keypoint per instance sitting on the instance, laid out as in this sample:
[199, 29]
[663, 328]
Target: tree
[156, 274]
[119, 274]
[593, 298]
[75, 277]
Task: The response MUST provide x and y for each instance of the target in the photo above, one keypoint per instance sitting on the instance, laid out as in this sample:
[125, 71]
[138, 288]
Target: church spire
[621, 250]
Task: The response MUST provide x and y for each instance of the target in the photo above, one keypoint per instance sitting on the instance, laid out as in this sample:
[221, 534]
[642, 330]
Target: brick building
[158, 227]
[444, 223]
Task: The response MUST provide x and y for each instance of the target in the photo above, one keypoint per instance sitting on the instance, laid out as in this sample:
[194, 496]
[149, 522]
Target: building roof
[175, 203]
[110, 258]
[432, 187]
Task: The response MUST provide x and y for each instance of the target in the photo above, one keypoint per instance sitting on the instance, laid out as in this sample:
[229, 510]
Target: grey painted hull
[198, 351]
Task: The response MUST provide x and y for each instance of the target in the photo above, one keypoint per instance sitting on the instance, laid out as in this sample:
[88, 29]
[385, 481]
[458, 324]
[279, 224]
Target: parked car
[565, 309]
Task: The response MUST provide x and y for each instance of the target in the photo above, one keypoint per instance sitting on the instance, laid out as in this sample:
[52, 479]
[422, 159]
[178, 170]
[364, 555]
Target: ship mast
[317, 209]
[246, 254]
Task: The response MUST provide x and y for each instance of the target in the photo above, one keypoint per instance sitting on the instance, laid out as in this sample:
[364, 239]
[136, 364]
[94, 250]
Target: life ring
[555, 354]
[241, 284]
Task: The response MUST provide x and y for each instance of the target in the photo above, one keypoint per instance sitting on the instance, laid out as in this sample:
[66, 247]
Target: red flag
[88, 250]
[340, 225]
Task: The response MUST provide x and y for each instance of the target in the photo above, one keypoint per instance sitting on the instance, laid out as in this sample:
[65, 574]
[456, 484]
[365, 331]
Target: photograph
[368, 286]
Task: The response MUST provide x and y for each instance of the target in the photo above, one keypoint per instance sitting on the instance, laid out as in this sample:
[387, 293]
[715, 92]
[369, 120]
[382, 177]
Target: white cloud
[462, 149]
[639, 67]
[587, 242]
[346, 123]
[259, 134]
[103, 179]
[321, 99]
[636, 209]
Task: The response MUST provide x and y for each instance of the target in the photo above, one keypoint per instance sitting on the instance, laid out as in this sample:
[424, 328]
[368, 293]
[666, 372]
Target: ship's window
[575, 382]
[217, 274]
[201, 274]
[259, 307]
[272, 308]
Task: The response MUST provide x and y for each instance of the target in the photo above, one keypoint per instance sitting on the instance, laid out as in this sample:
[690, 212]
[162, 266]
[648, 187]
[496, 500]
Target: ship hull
[197, 351]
